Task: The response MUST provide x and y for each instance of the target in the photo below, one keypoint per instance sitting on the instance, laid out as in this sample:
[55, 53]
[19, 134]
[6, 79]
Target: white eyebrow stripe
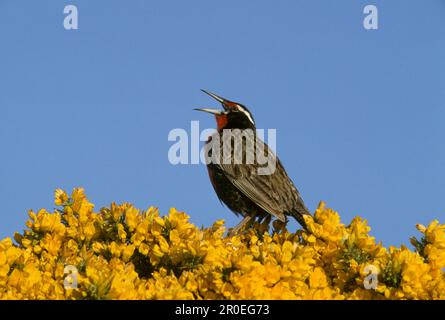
[247, 113]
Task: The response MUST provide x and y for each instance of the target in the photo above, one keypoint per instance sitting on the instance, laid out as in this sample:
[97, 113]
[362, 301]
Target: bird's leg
[264, 223]
[265, 219]
[247, 220]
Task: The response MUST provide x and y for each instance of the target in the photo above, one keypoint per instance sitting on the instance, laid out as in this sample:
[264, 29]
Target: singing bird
[240, 185]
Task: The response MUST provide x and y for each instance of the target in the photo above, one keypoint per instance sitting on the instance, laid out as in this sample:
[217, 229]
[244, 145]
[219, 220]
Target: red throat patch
[221, 121]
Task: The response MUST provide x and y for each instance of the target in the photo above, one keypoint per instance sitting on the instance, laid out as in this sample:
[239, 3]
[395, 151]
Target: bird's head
[233, 116]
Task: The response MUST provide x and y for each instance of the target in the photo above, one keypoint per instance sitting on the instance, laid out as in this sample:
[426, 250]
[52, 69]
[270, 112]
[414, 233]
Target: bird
[239, 185]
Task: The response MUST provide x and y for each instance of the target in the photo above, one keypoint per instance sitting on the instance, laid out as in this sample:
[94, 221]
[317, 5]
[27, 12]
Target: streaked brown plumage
[238, 185]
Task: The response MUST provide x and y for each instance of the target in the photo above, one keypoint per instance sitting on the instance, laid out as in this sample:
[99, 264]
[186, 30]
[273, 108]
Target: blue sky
[359, 114]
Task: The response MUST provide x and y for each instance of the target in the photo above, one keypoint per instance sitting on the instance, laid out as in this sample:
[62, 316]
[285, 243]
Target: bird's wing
[274, 192]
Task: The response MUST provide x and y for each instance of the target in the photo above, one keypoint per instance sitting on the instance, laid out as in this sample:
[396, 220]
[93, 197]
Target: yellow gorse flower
[121, 252]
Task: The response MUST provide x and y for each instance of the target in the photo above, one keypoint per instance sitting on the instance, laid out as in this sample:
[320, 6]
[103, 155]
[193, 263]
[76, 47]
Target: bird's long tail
[299, 212]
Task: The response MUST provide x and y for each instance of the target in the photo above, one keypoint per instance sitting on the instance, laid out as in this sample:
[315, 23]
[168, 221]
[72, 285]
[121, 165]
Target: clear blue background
[360, 114]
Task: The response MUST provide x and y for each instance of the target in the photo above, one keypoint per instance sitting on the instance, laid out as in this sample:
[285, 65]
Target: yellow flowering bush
[121, 252]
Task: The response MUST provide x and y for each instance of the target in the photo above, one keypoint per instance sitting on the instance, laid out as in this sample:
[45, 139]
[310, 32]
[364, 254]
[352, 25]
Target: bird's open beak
[217, 98]
[212, 111]
[214, 96]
